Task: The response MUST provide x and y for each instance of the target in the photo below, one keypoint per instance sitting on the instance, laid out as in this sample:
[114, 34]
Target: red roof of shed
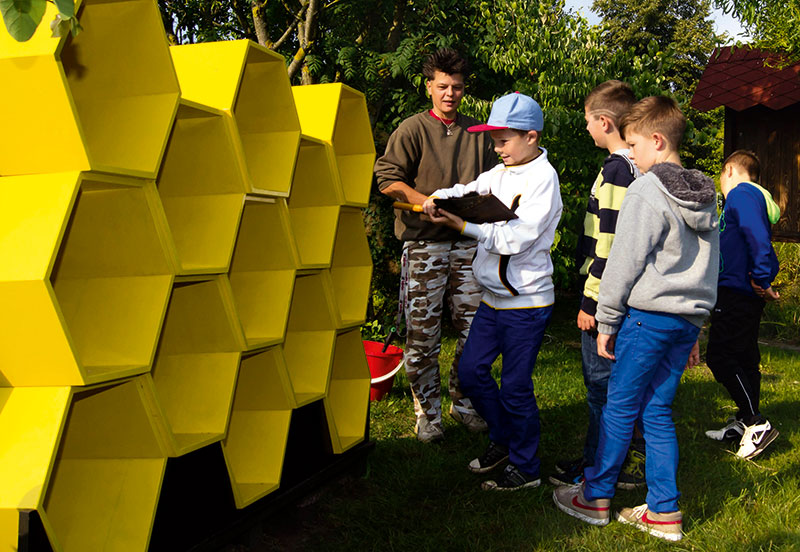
[736, 77]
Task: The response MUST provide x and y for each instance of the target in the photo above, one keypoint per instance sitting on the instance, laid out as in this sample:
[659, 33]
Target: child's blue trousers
[510, 410]
[651, 350]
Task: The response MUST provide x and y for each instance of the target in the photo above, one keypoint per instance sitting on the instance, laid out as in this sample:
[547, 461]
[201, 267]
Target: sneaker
[573, 477]
[732, 431]
[632, 475]
[570, 500]
[567, 466]
[664, 526]
[428, 431]
[472, 421]
[755, 439]
[512, 480]
[495, 455]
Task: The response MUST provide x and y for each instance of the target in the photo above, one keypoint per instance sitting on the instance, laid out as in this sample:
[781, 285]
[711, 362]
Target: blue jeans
[510, 410]
[596, 371]
[651, 350]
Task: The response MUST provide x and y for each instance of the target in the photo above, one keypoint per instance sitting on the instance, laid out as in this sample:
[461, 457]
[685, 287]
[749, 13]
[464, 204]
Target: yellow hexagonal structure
[103, 100]
[250, 83]
[263, 270]
[106, 478]
[259, 428]
[310, 336]
[348, 393]
[314, 203]
[351, 269]
[193, 377]
[202, 188]
[85, 275]
[337, 114]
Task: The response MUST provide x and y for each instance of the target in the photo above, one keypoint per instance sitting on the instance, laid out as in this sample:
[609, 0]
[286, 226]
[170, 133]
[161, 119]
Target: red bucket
[383, 365]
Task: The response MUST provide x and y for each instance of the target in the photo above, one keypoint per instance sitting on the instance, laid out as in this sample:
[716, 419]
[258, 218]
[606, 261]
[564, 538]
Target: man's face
[644, 151]
[513, 147]
[446, 92]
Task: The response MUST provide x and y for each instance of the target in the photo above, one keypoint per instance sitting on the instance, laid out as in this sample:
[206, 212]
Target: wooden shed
[762, 114]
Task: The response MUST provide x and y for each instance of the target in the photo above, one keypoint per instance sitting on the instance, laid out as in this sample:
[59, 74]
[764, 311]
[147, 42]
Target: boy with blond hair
[748, 265]
[658, 288]
[514, 269]
[603, 109]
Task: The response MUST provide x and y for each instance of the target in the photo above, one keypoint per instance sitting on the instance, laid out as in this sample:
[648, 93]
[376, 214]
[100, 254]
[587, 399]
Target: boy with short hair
[603, 109]
[659, 286]
[748, 265]
[513, 266]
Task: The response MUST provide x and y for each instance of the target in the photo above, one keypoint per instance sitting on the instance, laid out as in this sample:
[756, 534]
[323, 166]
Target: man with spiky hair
[428, 151]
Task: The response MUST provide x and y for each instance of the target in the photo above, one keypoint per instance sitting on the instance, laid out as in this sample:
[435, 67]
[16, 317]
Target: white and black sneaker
[731, 432]
[495, 455]
[756, 438]
[513, 480]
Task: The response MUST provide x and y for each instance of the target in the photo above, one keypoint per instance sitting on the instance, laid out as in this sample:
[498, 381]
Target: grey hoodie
[665, 256]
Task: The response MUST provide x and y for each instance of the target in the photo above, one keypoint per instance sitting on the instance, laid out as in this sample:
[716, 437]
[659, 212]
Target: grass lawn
[419, 496]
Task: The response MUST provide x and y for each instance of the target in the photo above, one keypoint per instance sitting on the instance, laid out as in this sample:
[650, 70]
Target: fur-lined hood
[692, 191]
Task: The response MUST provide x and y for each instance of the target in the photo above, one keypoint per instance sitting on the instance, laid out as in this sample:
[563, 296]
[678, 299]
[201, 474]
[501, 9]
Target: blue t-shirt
[745, 241]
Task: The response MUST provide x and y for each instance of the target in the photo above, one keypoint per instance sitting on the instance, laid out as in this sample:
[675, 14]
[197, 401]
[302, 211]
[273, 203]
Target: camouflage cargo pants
[437, 271]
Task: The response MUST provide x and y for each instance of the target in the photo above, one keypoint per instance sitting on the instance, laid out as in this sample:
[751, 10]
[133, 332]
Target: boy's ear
[659, 141]
[533, 136]
[606, 123]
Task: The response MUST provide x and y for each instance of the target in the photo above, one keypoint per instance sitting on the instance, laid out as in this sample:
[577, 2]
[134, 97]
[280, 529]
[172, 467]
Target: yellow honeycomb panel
[348, 393]
[337, 114]
[249, 83]
[263, 271]
[192, 381]
[310, 336]
[314, 203]
[259, 428]
[104, 488]
[351, 269]
[104, 99]
[86, 269]
[202, 187]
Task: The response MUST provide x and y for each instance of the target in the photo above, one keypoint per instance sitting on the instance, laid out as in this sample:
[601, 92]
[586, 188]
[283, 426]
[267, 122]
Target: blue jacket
[746, 239]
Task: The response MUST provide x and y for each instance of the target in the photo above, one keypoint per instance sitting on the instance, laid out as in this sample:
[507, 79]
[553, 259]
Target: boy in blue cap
[513, 267]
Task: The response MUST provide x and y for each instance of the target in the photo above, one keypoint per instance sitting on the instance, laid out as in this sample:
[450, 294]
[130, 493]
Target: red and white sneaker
[667, 526]
[570, 500]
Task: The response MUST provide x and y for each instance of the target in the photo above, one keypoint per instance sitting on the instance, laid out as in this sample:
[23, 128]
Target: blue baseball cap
[516, 111]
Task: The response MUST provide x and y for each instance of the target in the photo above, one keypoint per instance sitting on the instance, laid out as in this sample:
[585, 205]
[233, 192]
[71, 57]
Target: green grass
[422, 497]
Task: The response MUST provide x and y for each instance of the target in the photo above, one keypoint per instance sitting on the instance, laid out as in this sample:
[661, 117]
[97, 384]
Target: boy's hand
[446, 218]
[694, 356]
[605, 345]
[586, 322]
[429, 207]
[768, 294]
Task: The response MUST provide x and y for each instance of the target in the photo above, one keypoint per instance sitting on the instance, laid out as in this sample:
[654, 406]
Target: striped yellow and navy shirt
[600, 222]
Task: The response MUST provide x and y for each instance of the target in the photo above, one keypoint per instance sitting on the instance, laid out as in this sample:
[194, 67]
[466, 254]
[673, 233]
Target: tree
[773, 24]
[22, 17]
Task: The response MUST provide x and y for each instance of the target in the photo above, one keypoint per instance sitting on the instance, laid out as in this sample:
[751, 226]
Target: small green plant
[22, 17]
[781, 320]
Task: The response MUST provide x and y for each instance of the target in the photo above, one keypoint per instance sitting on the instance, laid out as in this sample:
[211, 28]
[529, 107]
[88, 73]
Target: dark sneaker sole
[492, 486]
[768, 438]
[485, 469]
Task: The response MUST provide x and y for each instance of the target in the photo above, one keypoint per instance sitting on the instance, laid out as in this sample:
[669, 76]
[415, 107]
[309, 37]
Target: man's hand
[446, 218]
[586, 322]
[768, 294]
[605, 345]
[694, 356]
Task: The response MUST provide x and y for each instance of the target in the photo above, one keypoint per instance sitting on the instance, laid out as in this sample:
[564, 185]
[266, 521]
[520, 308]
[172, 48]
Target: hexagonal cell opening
[194, 373]
[202, 188]
[262, 271]
[256, 442]
[310, 336]
[314, 203]
[348, 394]
[351, 269]
[112, 277]
[338, 114]
[118, 101]
[107, 477]
[250, 82]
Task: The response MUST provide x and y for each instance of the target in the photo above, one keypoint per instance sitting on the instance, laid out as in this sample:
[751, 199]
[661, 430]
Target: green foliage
[22, 17]
[781, 318]
[773, 24]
